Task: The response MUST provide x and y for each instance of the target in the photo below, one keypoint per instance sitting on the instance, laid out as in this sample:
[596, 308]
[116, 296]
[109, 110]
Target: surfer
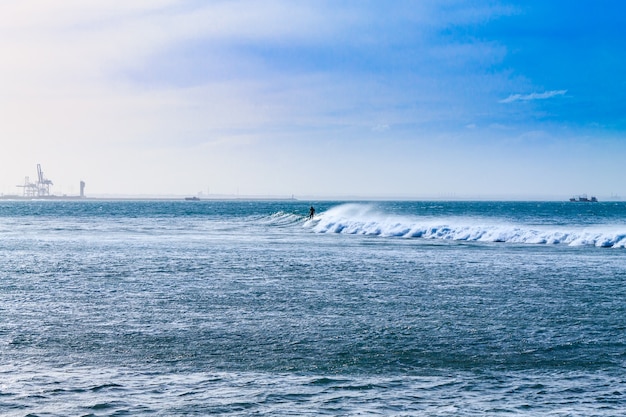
[311, 212]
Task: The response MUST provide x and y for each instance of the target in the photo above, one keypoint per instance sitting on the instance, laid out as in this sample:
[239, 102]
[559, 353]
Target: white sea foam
[366, 220]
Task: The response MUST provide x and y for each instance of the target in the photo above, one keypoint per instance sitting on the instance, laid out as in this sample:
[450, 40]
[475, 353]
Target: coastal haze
[429, 99]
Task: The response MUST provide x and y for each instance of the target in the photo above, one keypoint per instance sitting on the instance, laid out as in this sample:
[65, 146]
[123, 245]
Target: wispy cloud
[382, 127]
[533, 96]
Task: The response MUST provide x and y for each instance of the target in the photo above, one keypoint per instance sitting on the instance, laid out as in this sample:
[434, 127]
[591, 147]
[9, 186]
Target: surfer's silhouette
[311, 212]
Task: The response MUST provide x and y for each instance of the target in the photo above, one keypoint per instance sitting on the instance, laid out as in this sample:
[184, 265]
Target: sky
[315, 99]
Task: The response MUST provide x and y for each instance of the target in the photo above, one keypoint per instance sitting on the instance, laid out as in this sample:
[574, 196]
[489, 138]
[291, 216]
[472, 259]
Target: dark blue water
[248, 308]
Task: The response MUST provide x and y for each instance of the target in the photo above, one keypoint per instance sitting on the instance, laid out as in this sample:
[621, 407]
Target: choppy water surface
[248, 308]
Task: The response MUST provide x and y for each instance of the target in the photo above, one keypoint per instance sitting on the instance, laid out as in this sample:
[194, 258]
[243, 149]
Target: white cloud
[533, 96]
[381, 127]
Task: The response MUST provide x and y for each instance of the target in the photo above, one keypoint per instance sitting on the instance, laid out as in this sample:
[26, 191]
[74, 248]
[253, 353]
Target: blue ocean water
[111, 308]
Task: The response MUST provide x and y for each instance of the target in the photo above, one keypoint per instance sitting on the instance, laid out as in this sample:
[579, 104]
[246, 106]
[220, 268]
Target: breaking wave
[366, 220]
[282, 219]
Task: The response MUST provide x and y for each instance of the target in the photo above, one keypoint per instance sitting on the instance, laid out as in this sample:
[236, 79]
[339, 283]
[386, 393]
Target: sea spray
[367, 219]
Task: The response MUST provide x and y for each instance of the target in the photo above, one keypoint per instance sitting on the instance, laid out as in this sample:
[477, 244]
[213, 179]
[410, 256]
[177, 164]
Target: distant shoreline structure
[13, 197]
[42, 198]
[233, 197]
[40, 189]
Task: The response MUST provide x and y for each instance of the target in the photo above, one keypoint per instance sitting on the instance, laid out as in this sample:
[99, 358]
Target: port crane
[41, 188]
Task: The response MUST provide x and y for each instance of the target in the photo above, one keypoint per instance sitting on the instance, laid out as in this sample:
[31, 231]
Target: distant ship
[583, 199]
[192, 199]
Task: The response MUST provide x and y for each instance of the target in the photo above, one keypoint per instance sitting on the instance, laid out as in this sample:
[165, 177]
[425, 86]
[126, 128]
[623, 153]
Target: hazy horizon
[417, 100]
[308, 198]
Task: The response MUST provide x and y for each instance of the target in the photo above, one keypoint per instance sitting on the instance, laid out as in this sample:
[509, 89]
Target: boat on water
[192, 199]
[583, 199]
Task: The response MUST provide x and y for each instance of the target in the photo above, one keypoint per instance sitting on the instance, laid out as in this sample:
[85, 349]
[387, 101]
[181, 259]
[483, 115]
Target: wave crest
[282, 218]
[366, 220]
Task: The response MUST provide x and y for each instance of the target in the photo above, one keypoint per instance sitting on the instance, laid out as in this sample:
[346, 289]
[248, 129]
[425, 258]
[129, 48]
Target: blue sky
[428, 99]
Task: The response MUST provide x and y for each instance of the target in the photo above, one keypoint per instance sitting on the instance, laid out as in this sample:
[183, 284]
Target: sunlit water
[248, 308]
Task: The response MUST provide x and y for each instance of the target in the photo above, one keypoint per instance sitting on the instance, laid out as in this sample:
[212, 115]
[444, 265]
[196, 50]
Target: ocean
[238, 308]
